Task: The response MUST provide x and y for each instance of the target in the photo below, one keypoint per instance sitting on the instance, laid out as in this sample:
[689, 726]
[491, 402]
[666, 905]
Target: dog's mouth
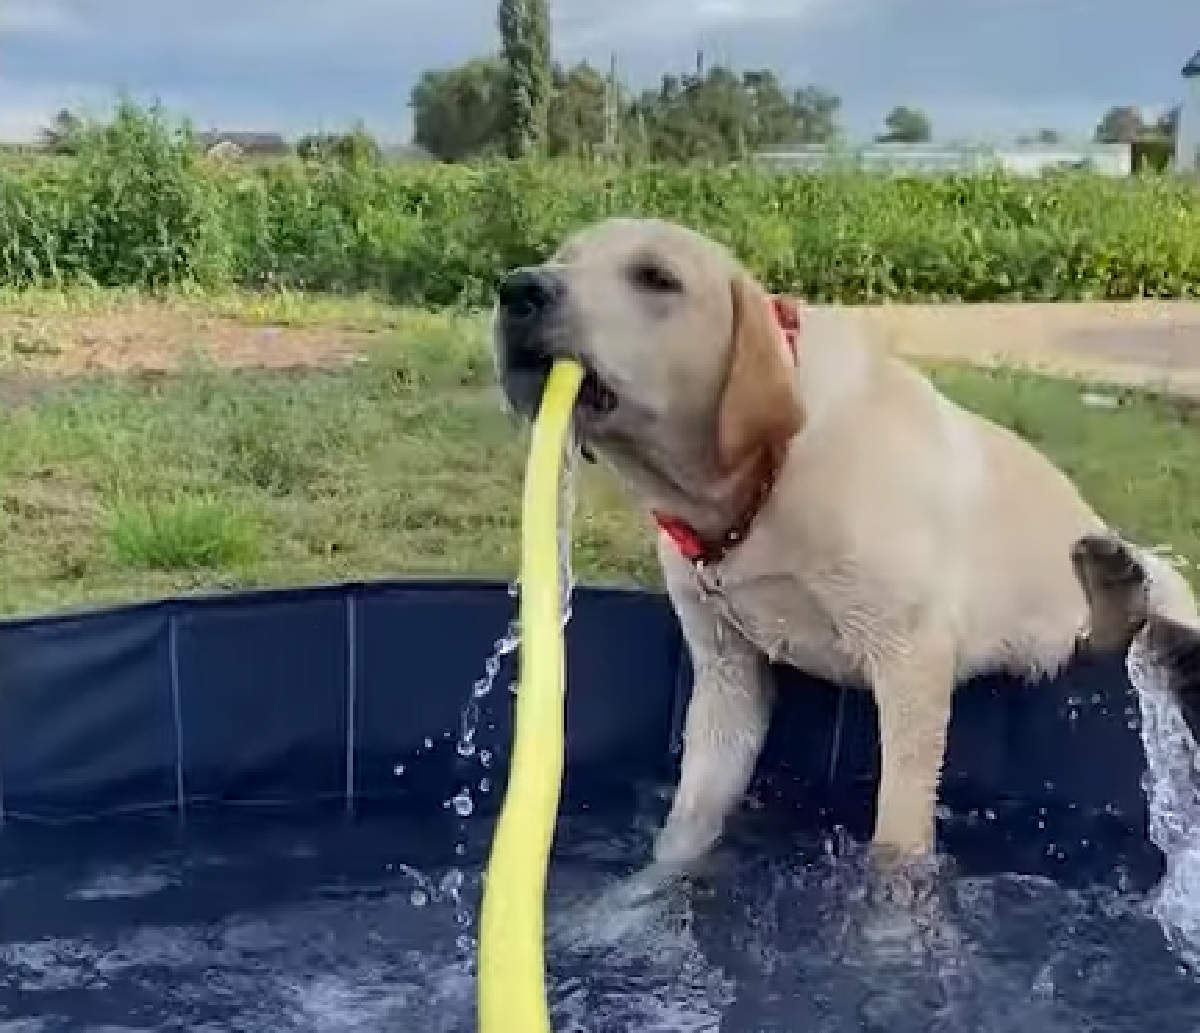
[595, 401]
[595, 396]
[525, 379]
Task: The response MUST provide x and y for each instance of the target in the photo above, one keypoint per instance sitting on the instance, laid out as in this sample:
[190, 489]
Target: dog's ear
[759, 408]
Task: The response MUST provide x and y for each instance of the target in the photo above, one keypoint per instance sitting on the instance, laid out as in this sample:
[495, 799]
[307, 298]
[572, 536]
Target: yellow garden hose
[512, 959]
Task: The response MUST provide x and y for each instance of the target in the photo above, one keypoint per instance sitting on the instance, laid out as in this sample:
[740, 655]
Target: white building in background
[1034, 159]
[1187, 136]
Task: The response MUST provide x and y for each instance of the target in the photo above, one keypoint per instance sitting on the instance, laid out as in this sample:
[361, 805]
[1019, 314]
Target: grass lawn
[128, 487]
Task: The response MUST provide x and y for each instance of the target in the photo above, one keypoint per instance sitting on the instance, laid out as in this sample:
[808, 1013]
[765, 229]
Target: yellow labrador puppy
[818, 501]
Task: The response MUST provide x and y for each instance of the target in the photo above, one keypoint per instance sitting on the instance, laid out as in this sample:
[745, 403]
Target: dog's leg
[726, 725]
[913, 690]
[1114, 583]
[1135, 599]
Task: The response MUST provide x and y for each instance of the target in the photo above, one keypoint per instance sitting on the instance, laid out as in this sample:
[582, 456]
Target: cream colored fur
[907, 545]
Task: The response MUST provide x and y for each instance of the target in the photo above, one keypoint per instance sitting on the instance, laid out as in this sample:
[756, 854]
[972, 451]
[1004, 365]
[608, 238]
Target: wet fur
[1128, 610]
[908, 543]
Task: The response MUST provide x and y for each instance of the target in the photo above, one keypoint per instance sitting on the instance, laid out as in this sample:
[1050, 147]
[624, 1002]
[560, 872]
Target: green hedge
[139, 206]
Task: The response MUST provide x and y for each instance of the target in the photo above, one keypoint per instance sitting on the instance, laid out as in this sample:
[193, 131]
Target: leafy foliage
[139, 206]
[712, 115]
[525, 33]
[906, 125]
[460, 112]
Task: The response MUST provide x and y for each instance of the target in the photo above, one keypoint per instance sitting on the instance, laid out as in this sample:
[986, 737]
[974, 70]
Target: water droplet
[418, 898]
[463, 805]
[428, 743]
[485, 784]
[466, 748]
[485, 758]
[398, 770]
[989, 814]
[460, 849]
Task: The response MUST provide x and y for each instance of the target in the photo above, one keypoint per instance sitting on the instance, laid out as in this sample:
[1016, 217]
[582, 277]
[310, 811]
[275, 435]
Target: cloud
[39, 18]
[299, 64]
[586, 26]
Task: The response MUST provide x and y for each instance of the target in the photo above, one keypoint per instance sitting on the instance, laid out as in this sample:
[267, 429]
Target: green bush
[131, 207]
[139, 206]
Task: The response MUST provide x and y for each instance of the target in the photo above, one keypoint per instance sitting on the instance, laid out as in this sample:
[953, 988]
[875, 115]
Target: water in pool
[368, 926]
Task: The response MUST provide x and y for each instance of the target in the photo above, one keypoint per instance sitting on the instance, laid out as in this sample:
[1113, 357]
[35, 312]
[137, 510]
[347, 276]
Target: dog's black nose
[528, 293]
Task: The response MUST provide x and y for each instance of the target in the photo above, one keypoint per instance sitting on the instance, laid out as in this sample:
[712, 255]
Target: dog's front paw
[902, 839]
[901, 877]
[683, 842]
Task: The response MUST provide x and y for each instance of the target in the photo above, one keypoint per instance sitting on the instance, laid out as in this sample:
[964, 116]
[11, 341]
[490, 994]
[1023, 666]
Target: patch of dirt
[158, 339]
[1146, 343]
[1153, 344]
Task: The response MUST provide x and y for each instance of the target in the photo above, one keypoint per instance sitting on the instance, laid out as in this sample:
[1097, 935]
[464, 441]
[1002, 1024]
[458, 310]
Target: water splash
[1172, 786]
[510, 641]
[464, 803]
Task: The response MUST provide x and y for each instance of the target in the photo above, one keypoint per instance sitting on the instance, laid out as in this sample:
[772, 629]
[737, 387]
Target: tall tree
[62, 136]
[578, 110]
[773, 117]
[1045, 137]
[906, 125]
[710, 114]
[717, 115]
[1123, 124]
[1167, 124]
[816, 115]
[460, 112]
[525, 39]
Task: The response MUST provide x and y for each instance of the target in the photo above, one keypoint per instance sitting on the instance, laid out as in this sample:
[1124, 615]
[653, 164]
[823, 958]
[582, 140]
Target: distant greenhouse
[1033, 159]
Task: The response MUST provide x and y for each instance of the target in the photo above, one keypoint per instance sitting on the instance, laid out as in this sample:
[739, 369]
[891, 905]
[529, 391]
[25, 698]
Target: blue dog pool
[267, 812]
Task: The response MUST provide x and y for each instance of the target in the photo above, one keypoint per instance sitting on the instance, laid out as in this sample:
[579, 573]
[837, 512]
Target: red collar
[687, 539]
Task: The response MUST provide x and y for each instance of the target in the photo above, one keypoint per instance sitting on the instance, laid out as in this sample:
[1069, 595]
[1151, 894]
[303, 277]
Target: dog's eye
[649, 276]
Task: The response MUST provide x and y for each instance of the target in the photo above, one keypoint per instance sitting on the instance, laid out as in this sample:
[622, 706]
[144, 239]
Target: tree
[774, 119]
[525, 39]
[712, 114]
[816, 115]
[353, 148]
[1121, 125]
[578, 110]
[459, 112]
[63, 134]
[718, 115]
[906, 125]
[1044, 137]
[1166, 126]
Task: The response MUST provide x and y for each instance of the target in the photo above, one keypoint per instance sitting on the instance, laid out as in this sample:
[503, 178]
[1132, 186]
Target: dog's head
[686, 367]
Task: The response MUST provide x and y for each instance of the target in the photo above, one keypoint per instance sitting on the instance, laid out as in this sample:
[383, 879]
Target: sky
[980, 68]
